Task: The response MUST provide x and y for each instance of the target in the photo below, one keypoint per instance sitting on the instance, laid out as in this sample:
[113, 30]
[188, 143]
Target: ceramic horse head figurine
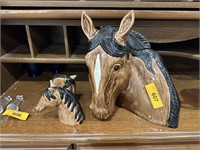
[69, 108]
[121, 63]
[65, 81]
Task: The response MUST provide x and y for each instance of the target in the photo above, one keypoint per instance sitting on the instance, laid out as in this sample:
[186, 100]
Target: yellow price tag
[154, 95]
[16, 114]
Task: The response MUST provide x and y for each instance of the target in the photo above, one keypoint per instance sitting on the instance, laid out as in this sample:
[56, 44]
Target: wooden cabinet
[47, 35]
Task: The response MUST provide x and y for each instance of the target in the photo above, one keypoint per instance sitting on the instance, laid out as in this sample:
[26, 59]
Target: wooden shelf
[99, 14]
[52, 54]
[99, 4]
[47, 33]
[123, 127]
[53, 51]
[74, 59]
[194, 56]
[20, 52]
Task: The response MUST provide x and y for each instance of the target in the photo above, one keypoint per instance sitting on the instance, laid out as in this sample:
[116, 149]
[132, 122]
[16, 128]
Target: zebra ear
[88, 26]
[125, 25]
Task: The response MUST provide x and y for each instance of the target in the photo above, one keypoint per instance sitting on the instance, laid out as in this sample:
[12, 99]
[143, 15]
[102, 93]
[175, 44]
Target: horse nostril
[100, 113]
[107, 103]
[104, 115]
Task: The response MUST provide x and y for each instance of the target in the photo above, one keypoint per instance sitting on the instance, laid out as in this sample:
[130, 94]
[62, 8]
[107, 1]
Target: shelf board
[53, 51]
[74, 59]
[20, 52]
[194, 56]
[98, 4]
[100, 14]
[124, 126]
[77, 57]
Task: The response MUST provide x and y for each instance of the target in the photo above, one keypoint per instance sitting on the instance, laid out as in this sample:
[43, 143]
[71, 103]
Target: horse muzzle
[101, 114]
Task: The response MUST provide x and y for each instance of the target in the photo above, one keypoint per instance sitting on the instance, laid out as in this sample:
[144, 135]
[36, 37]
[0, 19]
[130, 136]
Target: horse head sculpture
[69, 108]
[65, 81]
[121, 63]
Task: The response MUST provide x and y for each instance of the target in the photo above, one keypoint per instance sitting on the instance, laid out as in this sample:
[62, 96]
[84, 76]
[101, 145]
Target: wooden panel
[99, 14]
[98, 4]
[48, 40]
[66, 41]
[79, 46]
[37, 147]
[74, 59]
[78, 49]
[79, 58]
[32, 50]
[14, 40]
[167, 31]
[167, 146]
[180, 54]
[9, 75]
[40, 37]
[124, 127]
[154, 31]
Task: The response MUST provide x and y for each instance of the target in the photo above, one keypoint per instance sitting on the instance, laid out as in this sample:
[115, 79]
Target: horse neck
[138, 74]
[66, 116]
[135, 97]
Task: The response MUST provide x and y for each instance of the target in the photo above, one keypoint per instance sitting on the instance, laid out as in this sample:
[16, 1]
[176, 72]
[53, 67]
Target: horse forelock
[135, 42]
[68, 81]
[48, 94]
[105, 38]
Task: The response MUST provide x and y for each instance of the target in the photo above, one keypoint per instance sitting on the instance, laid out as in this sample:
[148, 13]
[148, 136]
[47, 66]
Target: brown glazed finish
[69, 109]
[123, 78]
[124, 127]
[61, 95]
[64, 81]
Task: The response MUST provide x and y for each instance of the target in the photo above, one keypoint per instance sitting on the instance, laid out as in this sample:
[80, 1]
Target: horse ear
[54, 92]
[125, 26]
[88, 26]
[73, 76]
[51, 84]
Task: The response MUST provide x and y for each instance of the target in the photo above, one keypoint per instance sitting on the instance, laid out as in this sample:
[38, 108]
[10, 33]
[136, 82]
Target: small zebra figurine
[69, 109]
[62, 80]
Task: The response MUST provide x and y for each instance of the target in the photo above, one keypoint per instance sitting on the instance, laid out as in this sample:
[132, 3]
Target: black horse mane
[69, 80]
[59, 76]
[68, 98]
[48, 94]
[105, 38]
[138, 46]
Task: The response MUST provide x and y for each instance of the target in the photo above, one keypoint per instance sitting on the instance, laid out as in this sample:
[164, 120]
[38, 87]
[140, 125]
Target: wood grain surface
[123, 127]
[99, 4]
[99, 14]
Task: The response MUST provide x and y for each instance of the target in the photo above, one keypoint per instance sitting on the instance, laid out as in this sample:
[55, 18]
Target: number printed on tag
[154, 95]
[16, 114]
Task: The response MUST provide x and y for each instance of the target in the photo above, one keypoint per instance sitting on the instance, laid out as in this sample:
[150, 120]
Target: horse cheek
[41, 105]
[124, 77]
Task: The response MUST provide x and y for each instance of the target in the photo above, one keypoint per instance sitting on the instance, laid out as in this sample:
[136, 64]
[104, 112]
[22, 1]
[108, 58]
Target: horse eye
[116, 67]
